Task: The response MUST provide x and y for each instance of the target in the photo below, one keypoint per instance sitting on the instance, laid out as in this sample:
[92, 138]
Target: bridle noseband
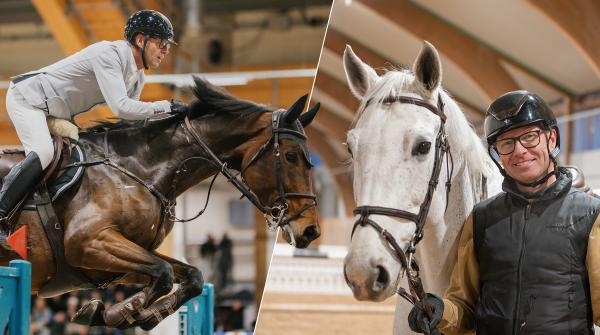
[275, 211]
[406, 258]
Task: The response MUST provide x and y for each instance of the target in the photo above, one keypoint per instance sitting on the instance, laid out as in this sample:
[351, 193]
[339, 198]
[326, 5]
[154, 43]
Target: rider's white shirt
[104, 72]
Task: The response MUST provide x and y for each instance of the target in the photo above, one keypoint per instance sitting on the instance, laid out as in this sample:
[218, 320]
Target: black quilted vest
[531, 258]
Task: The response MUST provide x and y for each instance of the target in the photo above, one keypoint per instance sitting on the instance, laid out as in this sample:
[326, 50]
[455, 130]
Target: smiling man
[528, 258]
[104, 72]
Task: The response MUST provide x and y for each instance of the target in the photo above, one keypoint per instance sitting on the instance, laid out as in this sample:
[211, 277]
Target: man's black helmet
[150, 23]
[517, 109]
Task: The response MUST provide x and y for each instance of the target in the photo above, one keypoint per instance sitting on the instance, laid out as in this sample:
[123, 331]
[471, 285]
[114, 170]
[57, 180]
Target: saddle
[61, 175]
[56, 180]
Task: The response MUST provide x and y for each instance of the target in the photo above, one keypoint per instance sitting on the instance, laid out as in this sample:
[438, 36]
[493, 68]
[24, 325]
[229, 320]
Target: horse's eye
[291, 157]
[422, 148]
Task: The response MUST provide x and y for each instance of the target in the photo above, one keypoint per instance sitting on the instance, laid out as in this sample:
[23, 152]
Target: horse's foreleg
[190, 280]
[190, 285]
[111, 251]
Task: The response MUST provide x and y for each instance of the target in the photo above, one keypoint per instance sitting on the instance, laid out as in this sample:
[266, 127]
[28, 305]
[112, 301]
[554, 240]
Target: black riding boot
[17, 183]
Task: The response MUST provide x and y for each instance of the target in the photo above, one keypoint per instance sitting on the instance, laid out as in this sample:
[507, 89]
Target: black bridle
[406, 258]
[275, 211]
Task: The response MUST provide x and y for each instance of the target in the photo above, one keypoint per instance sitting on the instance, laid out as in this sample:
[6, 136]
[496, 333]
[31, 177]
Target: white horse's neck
[436, 254]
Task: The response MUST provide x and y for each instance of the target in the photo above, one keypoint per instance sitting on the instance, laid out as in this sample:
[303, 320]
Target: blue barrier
[197, 316]
[15, 297]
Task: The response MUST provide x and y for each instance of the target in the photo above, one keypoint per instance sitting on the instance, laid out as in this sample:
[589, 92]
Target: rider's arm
[107, 67]
[463, 293]
[593, 266]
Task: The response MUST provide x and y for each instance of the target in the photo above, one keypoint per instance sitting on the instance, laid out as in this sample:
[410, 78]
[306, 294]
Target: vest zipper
[517, 322]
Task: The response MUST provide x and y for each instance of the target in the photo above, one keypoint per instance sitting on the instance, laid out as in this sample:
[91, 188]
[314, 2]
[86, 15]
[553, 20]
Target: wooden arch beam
[343, 181]
[66, 29]
[337, 90]
[478, 62]
[579, 21]
[334, 125]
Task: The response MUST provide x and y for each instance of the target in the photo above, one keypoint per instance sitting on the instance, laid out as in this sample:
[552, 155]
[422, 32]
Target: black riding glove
[178, 107]
[418, 320]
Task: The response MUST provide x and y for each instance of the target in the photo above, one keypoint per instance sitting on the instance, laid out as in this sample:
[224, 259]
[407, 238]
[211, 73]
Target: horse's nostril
[311, 232]
[382, 280]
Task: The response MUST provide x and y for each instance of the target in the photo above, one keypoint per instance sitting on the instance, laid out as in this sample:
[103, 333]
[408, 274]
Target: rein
[416, 292]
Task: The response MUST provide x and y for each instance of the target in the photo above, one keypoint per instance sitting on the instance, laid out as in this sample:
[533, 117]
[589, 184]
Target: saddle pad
[67, 180]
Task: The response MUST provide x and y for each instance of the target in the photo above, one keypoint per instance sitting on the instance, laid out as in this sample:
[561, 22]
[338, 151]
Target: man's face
[156, 50]
[530, 159]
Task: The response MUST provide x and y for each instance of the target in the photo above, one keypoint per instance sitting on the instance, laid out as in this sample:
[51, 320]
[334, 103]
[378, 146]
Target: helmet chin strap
[143, 51]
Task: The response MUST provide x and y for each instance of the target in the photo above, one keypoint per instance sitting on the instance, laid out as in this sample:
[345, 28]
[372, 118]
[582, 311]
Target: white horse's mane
[461, 135]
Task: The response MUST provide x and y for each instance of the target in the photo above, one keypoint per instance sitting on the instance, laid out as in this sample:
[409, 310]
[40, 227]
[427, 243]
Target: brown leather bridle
[406, 258]
[275, 211]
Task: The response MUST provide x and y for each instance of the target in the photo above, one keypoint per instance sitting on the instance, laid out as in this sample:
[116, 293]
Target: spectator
[41, 315]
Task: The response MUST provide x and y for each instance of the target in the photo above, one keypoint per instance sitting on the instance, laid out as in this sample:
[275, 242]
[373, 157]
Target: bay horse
[408, 135]
[123, 208]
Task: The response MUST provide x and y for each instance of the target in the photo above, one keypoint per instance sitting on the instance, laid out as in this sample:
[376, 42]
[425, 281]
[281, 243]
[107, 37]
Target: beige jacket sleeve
[592, 262]
[463, 293]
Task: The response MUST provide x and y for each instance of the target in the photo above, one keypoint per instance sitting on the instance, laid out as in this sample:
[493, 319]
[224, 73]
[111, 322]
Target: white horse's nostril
[382, 280]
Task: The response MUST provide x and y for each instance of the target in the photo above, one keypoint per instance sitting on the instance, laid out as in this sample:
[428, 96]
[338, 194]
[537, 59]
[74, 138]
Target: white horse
[393, 147]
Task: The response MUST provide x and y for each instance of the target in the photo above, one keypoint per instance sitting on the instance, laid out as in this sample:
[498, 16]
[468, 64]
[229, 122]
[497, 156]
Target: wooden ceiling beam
[66, 29]
[334, 125]
[480, 63]
[579, 21]
[337, 90]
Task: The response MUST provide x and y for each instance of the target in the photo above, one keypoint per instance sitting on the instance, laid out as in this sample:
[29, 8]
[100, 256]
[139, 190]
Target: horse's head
[393, 147]
[269, 149]
[277, 168]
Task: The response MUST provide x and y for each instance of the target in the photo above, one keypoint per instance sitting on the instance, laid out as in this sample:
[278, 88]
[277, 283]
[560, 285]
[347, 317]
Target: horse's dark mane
[209, 100]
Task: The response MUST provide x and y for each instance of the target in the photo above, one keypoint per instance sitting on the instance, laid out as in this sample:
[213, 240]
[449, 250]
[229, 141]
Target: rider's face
[156, 50]
[528, 164]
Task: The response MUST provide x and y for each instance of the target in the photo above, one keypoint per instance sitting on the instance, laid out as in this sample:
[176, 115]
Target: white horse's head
[393, 147]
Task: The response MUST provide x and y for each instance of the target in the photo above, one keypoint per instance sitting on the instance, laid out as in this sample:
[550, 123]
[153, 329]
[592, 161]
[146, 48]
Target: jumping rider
[528, 258]
[104, 72]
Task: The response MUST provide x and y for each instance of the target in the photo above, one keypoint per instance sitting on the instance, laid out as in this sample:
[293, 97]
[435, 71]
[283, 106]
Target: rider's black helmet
[150, 23]
[517, 109]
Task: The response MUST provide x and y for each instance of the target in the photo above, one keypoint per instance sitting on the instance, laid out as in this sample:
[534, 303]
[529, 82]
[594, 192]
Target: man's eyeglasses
[162, 43]
[528, 140]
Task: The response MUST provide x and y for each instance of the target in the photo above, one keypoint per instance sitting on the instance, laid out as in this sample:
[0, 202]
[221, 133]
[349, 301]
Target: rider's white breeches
[31, 126]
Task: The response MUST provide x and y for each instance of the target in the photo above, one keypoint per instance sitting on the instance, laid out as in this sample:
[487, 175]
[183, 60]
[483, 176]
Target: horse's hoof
[90, 314]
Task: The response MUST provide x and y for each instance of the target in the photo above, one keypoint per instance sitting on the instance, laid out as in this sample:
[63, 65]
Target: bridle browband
[406, 258]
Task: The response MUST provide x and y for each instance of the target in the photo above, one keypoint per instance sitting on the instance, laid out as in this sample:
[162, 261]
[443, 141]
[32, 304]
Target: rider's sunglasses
[528, 140]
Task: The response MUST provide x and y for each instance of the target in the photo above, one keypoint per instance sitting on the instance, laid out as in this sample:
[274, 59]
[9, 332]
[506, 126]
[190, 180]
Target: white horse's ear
[428, 67]
[360, 76]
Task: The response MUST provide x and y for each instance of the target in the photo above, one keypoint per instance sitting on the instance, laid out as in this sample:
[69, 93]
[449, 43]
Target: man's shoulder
[489, 201]
[579, 198]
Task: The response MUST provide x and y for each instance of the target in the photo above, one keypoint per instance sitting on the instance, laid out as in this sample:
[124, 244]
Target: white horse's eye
[421, 148]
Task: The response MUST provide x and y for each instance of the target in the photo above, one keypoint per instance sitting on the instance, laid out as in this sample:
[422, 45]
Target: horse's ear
[360, 76]
[306, 118]
[293, 112]
[428, 67]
